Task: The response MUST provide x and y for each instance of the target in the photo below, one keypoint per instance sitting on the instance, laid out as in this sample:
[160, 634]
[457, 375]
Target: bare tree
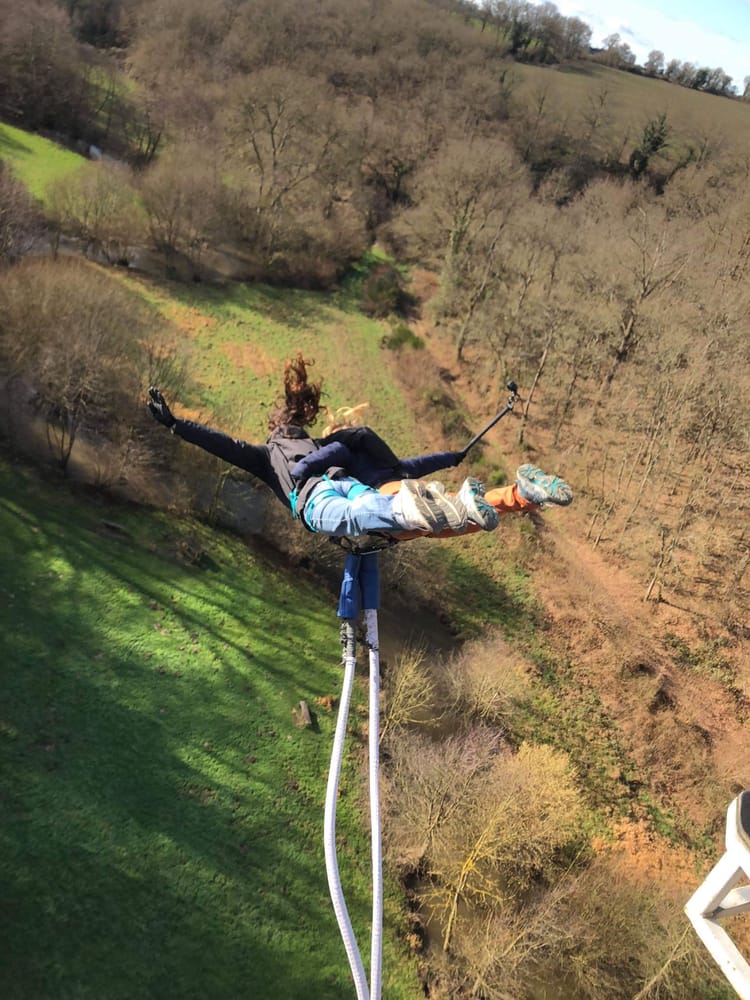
[97, 205]
[74, 336]
[20, 224]
[284, 134]
[523, 810]
[183, 197]
[430, 783]
[655, 62]
[38, 64]
[409, 691]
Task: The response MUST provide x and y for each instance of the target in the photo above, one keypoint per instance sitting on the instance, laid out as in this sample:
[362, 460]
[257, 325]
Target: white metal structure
[722, 895]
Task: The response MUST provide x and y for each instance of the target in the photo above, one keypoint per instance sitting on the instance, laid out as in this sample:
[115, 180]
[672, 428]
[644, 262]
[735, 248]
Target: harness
[365, 544]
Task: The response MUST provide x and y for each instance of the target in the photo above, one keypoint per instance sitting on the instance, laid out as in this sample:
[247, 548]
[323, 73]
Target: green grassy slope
[161, 827]
[239, 337]
[36, 161]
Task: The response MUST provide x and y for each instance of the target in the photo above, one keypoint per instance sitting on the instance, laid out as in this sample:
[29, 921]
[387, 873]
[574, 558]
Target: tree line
[294, 133]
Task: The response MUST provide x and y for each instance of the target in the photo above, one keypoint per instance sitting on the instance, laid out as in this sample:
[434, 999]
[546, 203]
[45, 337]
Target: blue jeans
[329, 511]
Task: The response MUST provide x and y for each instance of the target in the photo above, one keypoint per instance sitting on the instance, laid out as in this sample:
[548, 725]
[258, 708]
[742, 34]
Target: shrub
[383, 292]
[409, 693]
[517, 818]
[452, 420]
[430, 782]
[487, 681]
[97, 205]
[19, 221]
[596, 932]
[402, 336]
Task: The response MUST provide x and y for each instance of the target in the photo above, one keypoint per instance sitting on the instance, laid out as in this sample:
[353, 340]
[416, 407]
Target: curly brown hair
[301, 398]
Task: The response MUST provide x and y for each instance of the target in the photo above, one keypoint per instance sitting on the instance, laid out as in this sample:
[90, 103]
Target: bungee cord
[329, 824]
[376, 952]
[360, 589]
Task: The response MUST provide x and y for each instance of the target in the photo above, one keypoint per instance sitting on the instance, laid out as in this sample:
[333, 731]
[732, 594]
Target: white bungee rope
[329, 823]
[364, 570]
[376, 953]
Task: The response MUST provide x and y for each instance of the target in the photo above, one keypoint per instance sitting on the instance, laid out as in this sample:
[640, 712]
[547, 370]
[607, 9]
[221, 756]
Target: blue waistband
[357, 490]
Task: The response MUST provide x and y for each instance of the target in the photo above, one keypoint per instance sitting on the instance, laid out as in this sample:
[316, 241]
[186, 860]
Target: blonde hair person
[336, 484]
[342, 417]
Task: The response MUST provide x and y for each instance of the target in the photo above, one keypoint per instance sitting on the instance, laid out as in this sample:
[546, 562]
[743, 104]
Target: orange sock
[507, 500]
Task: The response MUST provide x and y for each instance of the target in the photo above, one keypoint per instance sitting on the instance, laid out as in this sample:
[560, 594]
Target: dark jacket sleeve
[317, 462]
[253, 458]
[364, 441]
[425, 465]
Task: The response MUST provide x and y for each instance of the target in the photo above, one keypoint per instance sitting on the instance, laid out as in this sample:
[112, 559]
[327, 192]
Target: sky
[710, 33]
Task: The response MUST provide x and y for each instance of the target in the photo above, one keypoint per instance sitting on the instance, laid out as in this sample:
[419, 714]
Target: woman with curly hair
[327, 500]
[333, 484]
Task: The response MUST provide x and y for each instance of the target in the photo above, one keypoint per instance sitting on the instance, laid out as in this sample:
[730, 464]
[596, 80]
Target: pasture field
[238, 337]
[697, 119]
[162, 813]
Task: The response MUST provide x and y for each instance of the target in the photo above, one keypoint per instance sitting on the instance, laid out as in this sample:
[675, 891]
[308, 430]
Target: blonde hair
[343, 416]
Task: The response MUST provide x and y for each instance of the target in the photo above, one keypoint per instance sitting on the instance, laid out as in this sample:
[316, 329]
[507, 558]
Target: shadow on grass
[162, 816]
[296, 309]
[576, 69]
[9, 144]
[474, 598]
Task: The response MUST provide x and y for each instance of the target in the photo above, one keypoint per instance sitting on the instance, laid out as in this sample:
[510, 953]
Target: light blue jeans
[330, 511]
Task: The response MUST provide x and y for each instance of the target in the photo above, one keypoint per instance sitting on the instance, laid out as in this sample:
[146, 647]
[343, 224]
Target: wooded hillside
[579, 229]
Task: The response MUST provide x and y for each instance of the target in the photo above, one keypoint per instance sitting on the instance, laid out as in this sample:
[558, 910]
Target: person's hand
[159, 409]
[458, 457]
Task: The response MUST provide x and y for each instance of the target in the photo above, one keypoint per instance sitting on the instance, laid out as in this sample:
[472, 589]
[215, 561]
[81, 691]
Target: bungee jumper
[350, 484]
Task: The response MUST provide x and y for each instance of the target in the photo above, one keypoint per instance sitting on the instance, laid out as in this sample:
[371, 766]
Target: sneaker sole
[452, 509]
[543, 489]
[483, 514]
[426, 506]
[480, 511]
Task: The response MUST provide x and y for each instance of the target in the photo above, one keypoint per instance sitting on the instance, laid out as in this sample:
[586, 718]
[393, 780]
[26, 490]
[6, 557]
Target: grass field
[161, 814]
[632, 100]
[36, 161]
[238, 338]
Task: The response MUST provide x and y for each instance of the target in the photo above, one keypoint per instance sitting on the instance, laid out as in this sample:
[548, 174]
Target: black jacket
[367, 457]
[270, 462]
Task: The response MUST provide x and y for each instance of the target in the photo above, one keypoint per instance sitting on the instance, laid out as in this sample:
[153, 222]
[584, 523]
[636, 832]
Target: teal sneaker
[539, 488]
[480, 512]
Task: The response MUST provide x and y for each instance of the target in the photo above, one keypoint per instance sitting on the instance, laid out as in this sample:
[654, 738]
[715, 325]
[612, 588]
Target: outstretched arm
[426, 465]
[253, 458]
[316, 463]
[382, 464]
